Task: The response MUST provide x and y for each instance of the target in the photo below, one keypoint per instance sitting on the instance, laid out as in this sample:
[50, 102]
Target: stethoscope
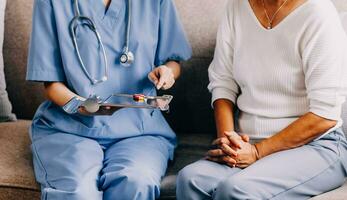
[126, 58]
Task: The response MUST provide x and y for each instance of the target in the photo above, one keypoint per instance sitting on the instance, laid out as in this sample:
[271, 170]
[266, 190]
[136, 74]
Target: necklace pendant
[269, 26]
[270, 20]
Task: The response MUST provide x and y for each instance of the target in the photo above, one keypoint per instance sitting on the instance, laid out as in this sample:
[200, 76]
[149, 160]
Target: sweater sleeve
[324, 62]
[222, 83]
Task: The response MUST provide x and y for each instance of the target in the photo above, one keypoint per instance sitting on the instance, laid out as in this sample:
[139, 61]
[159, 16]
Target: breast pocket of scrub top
[90, 50]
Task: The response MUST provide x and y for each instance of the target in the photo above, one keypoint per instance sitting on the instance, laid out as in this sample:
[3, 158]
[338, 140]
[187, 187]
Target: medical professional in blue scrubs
[123, 156]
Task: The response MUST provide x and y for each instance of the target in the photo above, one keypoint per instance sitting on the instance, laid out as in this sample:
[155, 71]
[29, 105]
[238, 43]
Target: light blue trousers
[70, 167]
[300, 173]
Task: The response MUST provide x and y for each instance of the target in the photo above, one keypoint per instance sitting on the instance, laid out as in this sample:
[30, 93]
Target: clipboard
[115, 102]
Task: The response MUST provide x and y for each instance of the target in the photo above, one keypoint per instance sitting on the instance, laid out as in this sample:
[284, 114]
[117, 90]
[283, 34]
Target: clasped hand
[233, 150]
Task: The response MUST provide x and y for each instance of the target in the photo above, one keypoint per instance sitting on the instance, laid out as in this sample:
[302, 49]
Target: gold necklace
[270, 20]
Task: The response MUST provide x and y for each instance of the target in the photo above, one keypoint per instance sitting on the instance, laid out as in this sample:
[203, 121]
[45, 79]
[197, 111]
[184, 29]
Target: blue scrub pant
[76, 168]
[300, 173]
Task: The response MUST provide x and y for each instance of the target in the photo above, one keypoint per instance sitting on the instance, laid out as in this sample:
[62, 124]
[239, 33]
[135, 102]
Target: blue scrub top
[156, 37]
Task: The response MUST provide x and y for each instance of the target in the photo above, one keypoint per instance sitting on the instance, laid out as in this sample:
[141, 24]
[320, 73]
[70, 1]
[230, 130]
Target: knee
[235, 187]
[132, 184]
[69, 170]
[192, 183]
[149, 182]
[83, 192]
[73, 190]
[187, 178]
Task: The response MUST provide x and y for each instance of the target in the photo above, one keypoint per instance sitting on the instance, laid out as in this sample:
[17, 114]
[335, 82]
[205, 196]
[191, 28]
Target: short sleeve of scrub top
[172, 43]
[44, 62]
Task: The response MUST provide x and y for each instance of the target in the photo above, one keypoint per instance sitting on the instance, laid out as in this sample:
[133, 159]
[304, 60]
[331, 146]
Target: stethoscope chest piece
[127, 58]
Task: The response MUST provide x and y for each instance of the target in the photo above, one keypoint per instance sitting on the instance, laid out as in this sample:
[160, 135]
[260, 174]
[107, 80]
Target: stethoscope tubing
[127, 38]
[90, 23]
[73, 28]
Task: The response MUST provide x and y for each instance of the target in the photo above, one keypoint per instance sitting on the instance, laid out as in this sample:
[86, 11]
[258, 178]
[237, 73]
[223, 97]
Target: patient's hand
[234, 150]
[233, 139]
[216, 154]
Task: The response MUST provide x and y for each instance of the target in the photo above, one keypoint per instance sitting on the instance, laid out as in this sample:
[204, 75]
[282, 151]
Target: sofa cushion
[15, 157]
[18, 17]
[337, 194]
[5, 105]
[14, 193]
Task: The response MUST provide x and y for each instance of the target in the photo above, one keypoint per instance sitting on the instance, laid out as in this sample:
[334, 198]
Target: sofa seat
[17, 178]
[16, 173]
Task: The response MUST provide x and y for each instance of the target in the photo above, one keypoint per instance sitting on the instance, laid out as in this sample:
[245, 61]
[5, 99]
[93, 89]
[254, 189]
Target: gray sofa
[190, 116]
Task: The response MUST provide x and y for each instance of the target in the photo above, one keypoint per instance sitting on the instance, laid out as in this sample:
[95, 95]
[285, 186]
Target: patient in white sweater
[278, 75]
[283, 65]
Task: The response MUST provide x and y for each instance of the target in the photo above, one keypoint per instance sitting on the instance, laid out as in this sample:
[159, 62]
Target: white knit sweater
[275, 76]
